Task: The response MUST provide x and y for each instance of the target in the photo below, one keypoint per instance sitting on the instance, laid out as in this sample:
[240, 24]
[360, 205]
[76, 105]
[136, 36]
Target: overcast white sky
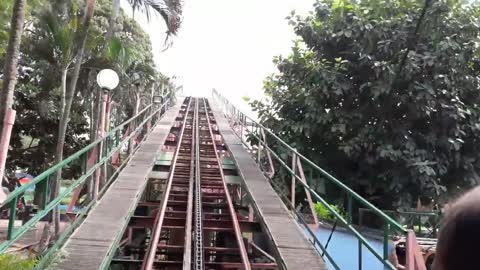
[226, 44]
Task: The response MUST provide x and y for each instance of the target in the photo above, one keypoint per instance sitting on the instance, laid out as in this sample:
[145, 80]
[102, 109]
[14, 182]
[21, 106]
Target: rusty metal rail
[197, 220]
[172, 216]
[219, 212]
[178, 204]
[199, 255]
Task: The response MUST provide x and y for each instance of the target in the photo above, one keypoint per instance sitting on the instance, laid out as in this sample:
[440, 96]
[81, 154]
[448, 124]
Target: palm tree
[11, 58]
[170, 10]
[10, 68]
[67, 99]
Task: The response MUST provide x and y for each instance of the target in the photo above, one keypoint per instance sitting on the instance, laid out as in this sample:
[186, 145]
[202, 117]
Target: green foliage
[6, 8]
[325, 214]
[5, 15]
[170, 10]
[13, 262]
[48, 47]
[383, 94]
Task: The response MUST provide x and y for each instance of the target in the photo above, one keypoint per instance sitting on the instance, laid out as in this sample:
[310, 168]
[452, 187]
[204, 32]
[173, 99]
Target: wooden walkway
[296, 252]
[92, 245]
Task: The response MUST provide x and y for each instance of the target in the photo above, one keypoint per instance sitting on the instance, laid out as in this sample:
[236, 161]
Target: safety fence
[303, 172]
[96, 167]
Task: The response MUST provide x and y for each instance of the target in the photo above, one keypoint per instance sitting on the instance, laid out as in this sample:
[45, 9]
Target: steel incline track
[197, 209]
[217, 203]
[191, 206]
[172, 215]
[199, 264]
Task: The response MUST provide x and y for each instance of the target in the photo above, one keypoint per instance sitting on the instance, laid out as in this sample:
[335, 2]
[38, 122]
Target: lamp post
[157, 101]
[108, 80]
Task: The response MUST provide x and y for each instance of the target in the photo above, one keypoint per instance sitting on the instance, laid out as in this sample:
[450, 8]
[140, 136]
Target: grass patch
[14, 262]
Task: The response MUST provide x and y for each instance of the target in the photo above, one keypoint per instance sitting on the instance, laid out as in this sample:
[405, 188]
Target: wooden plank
[296, 252]
[91, 244]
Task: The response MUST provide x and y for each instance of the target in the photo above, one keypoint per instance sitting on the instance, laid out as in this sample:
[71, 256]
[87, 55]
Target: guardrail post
[241, 128]
[294, 169]
[271, 173]
[359, 255]
[46, 193]
[130, 141]
[414, 259]
[260, 145]
[12, 218]
[307, 191]
[98, 172]
[349, 208]
[386, 232]
[41, 194]
[419, 220]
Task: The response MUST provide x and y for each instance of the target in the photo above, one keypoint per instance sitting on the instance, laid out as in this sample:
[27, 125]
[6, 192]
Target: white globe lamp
[107, 79]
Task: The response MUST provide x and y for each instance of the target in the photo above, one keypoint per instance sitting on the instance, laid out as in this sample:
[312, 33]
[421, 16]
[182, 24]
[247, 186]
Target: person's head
[457, 246]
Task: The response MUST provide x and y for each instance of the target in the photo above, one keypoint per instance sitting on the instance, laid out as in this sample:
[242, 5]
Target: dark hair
[457, 246]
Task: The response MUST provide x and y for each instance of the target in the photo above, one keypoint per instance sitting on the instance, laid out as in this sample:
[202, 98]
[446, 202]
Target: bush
[325, 214]
[13, 262]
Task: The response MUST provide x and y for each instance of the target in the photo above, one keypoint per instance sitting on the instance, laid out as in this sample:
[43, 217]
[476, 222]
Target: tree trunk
[61, 6]
[69, 95]
[11, 59]
[113, 19]
[64, 89]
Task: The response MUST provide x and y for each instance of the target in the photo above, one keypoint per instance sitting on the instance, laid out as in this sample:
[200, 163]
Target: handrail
[21, 190]
[416, 214]
[304, 223]
[151, 113]
[390, 223]
[322, 171]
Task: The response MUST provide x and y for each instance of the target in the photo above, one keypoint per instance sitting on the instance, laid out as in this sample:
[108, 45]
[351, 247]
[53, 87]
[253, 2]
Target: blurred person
[457, 246]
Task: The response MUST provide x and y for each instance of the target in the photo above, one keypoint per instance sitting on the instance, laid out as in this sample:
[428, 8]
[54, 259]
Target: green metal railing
[283, 153]
[113, 142]
[423, 223]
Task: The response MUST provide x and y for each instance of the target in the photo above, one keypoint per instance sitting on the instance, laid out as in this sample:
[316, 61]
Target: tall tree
[11, 59]
[37, 98]
[170, 10]
[384, 94]
[113, 18]
[81, 40]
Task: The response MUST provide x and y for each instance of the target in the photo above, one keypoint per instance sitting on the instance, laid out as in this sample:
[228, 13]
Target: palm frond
[170, 10]
[122, 54]
[62, 36]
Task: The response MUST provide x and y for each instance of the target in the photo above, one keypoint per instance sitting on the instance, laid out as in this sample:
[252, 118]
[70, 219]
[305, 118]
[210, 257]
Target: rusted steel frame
[309, 196]
[238, 232]
[199, 256]
[152, 249]
[235, 265]
[226, 265]
[187, 254]
[137, 222]
[263, 252]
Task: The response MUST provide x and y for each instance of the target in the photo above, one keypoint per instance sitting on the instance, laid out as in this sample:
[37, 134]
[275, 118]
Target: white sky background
[225, 44]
